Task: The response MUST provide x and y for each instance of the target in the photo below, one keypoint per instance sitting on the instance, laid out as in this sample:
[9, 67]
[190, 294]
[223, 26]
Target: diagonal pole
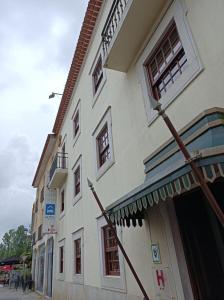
[197, 172]
[117, 240]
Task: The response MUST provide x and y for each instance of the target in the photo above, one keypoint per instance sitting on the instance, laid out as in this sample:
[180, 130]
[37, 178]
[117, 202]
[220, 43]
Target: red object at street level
[6, 268]
[197, 172]
[118, 241]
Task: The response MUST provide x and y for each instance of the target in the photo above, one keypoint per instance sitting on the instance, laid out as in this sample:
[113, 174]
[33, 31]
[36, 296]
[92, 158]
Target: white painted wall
[133, 140]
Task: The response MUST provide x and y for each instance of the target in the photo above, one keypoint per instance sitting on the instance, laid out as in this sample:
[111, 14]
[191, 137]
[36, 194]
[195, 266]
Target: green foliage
[16, 243]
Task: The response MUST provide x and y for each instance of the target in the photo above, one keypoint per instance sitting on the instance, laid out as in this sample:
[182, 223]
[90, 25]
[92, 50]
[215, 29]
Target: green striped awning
[130, 208]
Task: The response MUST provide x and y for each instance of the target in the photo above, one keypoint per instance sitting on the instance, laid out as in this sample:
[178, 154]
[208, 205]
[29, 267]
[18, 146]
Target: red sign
[160, 279]
[6, 268]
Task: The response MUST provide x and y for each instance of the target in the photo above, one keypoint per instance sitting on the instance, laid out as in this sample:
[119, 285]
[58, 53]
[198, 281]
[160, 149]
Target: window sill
[62, 215]
[61, 277]
[78, 279]
[104, 168]
[76, 138]
[96, 95]
[77, 198]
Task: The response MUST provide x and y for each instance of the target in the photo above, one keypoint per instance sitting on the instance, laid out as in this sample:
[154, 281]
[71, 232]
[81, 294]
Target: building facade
[131, 54]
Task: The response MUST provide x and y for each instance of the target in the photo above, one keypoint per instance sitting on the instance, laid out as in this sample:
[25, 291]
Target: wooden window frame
[76, 124]
[77, 180]
[110, 251]
[97, 74]
[164, 60]
[62, 201]
[61, 259]
[42, 194]
[103, 148]
[78, 256]
[177, 11]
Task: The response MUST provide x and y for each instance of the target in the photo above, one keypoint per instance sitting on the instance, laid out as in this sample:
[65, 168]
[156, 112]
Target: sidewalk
[12, 294]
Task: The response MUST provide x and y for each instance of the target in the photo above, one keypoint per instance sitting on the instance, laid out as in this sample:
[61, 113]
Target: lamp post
[53, 94]
[197, 172]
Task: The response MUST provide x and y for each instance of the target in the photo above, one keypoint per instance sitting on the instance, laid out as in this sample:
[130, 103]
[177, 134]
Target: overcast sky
[38, 39]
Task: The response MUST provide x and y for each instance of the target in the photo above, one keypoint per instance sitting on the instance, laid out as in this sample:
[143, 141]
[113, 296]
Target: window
[42, 195]
[97, 74]
[62, 201]
[77, 180]
[36, 206]
[63, 155]
[103, 144]
[61, 259]
[77, 173]
[112, 266]
[40, 232]
[112, 272]
[76, 122]
[170, 61]
[78, 262]
[77, 238]
[167, 63]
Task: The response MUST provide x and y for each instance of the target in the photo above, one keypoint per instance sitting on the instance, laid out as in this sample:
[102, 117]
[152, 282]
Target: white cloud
[37, 45]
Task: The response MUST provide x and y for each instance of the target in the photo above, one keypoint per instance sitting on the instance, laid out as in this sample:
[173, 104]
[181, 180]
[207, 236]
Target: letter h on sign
[160, 279]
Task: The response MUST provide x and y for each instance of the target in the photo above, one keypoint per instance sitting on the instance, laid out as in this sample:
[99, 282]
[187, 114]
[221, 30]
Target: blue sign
[50, 209]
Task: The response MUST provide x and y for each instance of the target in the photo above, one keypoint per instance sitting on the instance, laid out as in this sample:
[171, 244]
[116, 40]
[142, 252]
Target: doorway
[50, 249]
[203, 243]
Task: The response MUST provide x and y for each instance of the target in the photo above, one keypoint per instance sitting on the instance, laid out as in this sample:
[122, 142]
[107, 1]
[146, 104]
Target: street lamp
[53, 94]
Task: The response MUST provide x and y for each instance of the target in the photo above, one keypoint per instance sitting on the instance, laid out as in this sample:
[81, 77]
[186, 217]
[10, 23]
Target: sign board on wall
[49, 211]
[156, 258]
[164, 283]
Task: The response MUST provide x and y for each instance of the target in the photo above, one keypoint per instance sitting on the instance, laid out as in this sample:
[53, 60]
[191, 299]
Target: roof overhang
[45, 156]
[85, 36]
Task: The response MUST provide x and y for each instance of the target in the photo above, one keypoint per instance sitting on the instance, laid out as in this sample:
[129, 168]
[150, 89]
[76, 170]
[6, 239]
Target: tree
[16, 243]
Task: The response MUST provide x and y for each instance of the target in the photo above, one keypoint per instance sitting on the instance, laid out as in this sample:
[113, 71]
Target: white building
[129, 53]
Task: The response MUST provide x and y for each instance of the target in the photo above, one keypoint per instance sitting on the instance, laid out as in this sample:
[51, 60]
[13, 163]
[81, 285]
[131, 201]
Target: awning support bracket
[203, 184]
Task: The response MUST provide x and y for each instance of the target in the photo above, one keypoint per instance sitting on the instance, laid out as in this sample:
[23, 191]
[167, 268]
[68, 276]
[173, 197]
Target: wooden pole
[197, 172]
[110, 224]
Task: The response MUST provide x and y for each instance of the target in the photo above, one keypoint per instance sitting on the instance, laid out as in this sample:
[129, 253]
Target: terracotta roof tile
[80, 52]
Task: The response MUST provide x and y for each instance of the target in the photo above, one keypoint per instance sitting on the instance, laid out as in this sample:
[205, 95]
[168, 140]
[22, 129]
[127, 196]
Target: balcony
[126, 28]
[58, 171]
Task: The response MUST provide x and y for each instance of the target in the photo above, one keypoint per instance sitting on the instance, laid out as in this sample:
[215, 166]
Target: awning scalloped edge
[134, 211]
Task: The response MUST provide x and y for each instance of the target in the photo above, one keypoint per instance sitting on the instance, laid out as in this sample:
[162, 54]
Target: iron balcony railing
[112, 21]
[60, 162]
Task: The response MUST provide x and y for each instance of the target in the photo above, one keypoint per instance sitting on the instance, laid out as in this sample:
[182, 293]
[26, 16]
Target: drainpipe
[197, 172]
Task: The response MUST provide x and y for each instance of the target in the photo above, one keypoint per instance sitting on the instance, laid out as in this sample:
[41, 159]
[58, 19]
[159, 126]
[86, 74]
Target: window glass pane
[111, 252]
[167, 63]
